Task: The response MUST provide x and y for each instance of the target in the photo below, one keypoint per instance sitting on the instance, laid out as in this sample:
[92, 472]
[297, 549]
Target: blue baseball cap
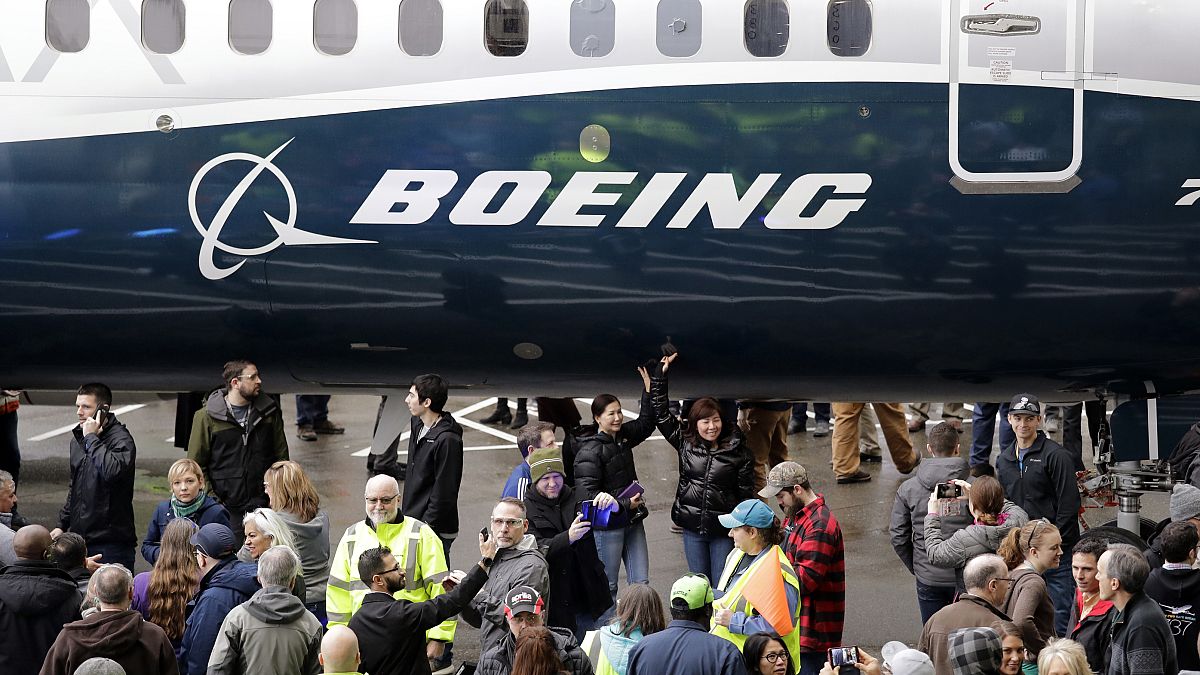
[752, 512]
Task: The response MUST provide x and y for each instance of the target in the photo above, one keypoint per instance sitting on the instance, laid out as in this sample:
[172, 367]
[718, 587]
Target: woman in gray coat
[994, 517]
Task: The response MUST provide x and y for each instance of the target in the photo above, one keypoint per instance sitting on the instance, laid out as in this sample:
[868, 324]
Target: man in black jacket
[578, 586]
[1091, 615]
[523, 608]
[99, 503]
[1175, 586]
[1039, 476]
[236, 438]
[435, 460]
[36, 600]
[391, 632]
[1141, 638]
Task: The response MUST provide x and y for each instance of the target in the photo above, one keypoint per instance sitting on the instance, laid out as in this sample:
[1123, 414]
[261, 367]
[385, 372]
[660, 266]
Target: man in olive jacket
[236, 437]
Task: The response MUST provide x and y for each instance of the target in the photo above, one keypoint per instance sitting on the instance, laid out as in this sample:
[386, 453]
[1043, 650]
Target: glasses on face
[775, 657]
[198, 551]
[394, 569]
[506, 522]
[386, 501]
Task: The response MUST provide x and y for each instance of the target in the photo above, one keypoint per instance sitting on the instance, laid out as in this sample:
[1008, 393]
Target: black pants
[10, 451]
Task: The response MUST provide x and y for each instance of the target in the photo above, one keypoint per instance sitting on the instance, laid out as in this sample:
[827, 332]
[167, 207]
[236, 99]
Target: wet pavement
[881, 601]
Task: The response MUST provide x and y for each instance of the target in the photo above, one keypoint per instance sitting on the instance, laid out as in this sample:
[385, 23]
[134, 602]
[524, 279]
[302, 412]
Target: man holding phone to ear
[99, 503]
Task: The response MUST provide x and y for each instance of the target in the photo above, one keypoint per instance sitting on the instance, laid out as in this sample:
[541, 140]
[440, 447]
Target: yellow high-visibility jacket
[417, 549]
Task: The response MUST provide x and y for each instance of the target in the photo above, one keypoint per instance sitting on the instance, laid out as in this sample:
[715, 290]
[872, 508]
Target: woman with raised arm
[994, 517]
[716, 473]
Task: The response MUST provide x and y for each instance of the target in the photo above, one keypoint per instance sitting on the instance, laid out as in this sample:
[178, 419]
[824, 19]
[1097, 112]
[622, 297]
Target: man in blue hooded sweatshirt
[225, 583]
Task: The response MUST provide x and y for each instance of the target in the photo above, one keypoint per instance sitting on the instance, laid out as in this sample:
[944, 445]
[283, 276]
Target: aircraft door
[1016, 95]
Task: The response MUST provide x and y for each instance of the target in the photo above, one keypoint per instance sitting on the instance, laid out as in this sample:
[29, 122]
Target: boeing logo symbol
[286, 232]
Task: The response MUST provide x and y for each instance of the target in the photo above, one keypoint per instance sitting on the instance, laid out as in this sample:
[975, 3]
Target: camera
[949, 490]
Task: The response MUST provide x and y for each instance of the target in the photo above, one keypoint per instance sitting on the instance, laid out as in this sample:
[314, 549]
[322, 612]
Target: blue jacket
[518, 481]
[222, 589]
[210, 511]
[685, 648]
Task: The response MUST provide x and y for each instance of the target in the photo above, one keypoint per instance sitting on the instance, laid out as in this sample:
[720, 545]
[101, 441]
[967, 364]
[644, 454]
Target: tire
[1115, 535]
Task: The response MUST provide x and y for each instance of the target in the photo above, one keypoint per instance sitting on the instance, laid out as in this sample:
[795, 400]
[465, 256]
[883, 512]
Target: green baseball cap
[693, 589]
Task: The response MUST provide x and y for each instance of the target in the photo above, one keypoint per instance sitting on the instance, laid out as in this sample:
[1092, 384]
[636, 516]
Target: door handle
[1001, 24]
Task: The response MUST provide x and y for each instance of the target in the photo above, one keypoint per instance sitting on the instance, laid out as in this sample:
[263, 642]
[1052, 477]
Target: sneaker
[327, 427]
[869, 458]
[305, 432]
[859, 476]
[916, 425]
[795, 426]
[519, 420]
[822, 429]
[498, 416]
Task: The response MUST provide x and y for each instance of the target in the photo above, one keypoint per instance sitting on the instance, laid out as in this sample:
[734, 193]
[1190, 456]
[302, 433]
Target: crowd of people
[248, 577]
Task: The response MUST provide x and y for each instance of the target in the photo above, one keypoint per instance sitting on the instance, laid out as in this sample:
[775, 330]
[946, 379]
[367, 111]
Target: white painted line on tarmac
[62, 430]
[474, 448]
[455, 413]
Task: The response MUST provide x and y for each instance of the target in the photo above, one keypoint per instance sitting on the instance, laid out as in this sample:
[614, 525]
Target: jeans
[114, 553]
[810, 663]
[628, 544]
[706, 553]
[932, 598]
[821, 412]
[1061, 586]
[983, 425]
[311, 408]
[318, 610]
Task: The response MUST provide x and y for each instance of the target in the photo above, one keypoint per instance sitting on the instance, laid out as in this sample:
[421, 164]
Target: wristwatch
[486, 562]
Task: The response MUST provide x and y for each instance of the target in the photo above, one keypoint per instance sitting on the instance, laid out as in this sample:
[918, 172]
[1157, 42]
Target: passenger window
[506, 27]
[250, 26]
[421, 27]
[68, 25]
[848, 27]
[335, 26]
[163, 25]
[678, 27]
[765, 27]
[593, 27]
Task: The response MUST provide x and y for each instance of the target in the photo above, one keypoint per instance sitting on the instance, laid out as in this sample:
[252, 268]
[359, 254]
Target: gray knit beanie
[1185, 502]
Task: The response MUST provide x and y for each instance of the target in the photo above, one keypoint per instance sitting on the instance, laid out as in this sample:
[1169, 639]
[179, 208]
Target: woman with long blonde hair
[295, 500]
[162, 594]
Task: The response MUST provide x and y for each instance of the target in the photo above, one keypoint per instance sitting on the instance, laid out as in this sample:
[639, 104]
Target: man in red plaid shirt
[812, 540]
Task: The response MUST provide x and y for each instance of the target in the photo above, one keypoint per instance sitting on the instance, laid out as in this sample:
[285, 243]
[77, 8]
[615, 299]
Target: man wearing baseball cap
[812, 542]
[523, 608]
[1039, 476]
[225, 583]
[686, 647]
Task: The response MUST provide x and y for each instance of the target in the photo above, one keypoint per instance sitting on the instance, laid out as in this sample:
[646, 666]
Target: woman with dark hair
[756, 556]
[765, 654]
[604, 466]
[716, 472]
[1012, 647]
[994, 517]
[162, 594]
[1029, 551]
[639, 613]
[537, 653]
[295, 500]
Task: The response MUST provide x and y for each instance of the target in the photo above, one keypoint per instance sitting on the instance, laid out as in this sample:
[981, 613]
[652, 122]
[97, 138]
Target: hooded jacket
[210, 511]
[908, 517]
[36, 601]
[713, 478]
[604, 463]
[435, 466]
[578, 583]
[498, 660]
[608, 649]
[312, 545]
[519, 565]
[234, 458]
[141, 647]
[1177, 592]
[228, 585]
[270, 634]
[1043, 483]
[99, 504]
[976, 539]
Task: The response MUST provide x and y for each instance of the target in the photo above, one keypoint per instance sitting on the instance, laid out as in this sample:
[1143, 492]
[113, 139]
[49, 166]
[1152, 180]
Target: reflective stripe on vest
[411, 582]
[593, 646]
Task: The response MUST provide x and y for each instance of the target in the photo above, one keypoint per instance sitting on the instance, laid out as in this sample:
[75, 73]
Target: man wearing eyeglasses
[987, 582]
[1039, 476]
[518, 563]
[416, 546]
[225, 583]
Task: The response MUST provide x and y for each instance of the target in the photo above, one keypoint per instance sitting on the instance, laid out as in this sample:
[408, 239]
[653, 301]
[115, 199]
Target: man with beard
[812, 541]
[236, 438]
[415, 546]
[391, 631]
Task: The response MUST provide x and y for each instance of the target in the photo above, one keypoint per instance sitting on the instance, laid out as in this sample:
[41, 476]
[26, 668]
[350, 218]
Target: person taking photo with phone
[99, 504]
[716, 472]
[993, 517]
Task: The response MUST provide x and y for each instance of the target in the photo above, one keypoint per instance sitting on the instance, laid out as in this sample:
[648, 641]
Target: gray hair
[7, 482]
[983, 568]
[98, 665]
[111, 584]
[278, 566]
[1127, 565]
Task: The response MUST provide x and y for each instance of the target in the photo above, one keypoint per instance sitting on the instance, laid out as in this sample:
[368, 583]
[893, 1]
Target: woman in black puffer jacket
[716, 473]
[604, 466]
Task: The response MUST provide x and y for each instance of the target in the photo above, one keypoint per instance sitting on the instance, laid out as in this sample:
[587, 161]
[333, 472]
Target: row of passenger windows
[766, 26]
